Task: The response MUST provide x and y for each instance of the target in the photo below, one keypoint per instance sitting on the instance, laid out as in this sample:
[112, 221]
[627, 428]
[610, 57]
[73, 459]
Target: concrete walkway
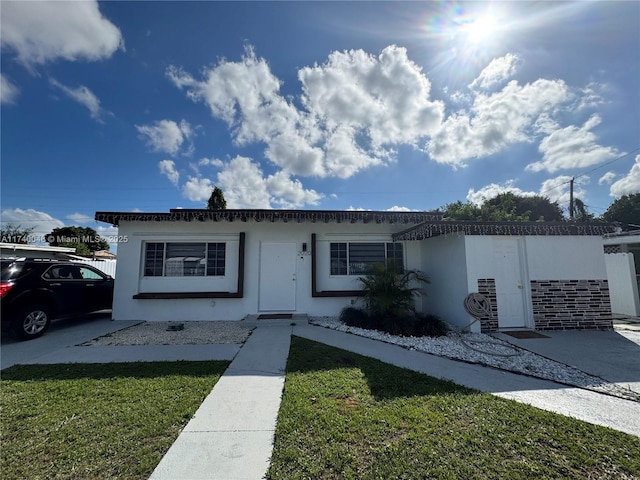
[231, 435]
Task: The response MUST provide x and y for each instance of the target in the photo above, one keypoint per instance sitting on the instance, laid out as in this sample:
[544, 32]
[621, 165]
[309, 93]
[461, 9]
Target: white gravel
[194, 333]
[490, 351]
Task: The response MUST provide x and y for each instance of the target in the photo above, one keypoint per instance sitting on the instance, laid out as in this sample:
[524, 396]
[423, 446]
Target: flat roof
[285, 216]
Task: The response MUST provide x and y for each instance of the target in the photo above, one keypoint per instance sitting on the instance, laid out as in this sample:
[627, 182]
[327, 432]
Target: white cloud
[8, 91]
[80, 218]
[83, 96]
[607, 178]
[572, 147]
[558, 189]
[628, 184]
[198, 189]
[498, 70]
[168, 168]
[243, 185]
[494, 189]
[288, 193]
[356, 108]
[592, 96]
[42, 223]
[396, 208]
[39, 32]
[496, 121]
[166, 136]
[214, 162]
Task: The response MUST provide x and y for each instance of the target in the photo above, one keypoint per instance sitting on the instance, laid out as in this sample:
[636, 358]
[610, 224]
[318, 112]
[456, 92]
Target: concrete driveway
[611, 355]
[62, 334]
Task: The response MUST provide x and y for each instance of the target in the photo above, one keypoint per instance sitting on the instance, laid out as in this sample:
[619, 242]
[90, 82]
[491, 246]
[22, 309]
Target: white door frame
[277, 277]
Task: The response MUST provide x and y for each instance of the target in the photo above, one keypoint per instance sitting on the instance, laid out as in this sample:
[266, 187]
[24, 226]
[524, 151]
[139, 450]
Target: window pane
[185, 260]
[153, 259]
[364, 255]
[216, 253]
[395, 256]
[89, 274]
[338, 258]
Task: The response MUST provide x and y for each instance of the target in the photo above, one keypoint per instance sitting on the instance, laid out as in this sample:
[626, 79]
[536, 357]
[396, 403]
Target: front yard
[344, 416]
[90, 421]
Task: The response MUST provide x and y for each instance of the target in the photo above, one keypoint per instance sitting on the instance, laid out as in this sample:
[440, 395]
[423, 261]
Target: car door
[66, 286]
[98, 289]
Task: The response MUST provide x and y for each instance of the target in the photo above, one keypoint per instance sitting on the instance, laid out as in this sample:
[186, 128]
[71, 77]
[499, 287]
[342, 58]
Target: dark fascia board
[284, 216]
[433, 229]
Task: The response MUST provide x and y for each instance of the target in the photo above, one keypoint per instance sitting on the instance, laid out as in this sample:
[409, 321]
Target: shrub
[388, 291]
[410, 325]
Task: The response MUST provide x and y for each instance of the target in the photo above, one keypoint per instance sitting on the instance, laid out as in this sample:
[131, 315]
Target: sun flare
[481, 29]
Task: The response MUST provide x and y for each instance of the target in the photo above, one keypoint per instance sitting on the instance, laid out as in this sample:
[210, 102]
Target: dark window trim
[314, 282]
[239, 293]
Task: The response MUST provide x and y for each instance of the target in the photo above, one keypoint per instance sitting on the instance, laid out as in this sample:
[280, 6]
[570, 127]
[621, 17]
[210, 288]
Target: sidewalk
[231, 435]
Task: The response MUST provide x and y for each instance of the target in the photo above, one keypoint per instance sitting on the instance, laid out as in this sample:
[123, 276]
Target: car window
[89, 274]
[62, 272]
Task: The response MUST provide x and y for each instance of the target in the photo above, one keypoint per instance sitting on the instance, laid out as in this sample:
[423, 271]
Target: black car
[35, 291]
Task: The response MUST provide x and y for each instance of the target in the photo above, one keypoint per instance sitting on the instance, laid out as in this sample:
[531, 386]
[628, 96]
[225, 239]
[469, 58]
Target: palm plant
[389, 291]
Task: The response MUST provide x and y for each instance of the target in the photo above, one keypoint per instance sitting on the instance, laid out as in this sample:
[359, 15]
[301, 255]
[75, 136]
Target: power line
[609, 162]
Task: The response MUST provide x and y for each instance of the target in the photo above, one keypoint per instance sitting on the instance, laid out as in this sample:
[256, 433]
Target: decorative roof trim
[285, 216]
[433, 229]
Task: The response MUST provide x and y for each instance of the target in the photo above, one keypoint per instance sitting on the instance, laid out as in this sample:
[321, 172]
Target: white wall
[565, 258]
[130, 281]
[443, 260]
[623, 286]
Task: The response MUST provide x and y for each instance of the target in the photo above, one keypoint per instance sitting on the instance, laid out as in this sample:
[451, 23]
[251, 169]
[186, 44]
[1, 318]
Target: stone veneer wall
[487, 287]
[571, 304]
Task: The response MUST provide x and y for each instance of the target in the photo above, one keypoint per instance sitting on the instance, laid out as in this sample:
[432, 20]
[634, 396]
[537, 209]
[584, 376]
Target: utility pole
[571, 198]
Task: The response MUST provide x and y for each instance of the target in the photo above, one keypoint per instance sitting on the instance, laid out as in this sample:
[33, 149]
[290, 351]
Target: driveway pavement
[611, 355]
[60, 345]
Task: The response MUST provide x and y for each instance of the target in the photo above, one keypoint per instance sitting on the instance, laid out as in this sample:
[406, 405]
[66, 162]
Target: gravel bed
[490, 351]
[194, 333]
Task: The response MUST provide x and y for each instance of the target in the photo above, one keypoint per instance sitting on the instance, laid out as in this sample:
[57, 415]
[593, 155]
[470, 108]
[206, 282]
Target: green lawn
[345, 416]
[96, 421]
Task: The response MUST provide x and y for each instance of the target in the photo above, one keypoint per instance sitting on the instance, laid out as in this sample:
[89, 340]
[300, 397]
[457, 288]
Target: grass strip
[89, 421]
[345, 416]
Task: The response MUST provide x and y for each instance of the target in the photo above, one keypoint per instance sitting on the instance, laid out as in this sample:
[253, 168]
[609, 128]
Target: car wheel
[31, 322]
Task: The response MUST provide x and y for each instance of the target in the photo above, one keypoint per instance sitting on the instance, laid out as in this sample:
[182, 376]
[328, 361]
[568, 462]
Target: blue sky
[145, 106]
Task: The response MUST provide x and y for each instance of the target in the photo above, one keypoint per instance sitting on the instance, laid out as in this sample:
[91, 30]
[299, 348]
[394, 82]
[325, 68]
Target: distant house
[225, 264]
[622, 259]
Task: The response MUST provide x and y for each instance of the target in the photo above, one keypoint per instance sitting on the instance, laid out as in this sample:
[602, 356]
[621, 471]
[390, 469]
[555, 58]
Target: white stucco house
[226, 264]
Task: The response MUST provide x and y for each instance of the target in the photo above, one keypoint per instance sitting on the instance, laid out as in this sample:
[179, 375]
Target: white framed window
[184, 259]
[356, 258]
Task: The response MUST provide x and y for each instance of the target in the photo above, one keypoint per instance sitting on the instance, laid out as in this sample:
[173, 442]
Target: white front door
[277, 277]
[510, 287]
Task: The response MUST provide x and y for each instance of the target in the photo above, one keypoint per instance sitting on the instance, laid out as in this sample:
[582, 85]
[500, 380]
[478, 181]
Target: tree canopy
[84, 239]
[15, 234]
[216, 200]
[625, 210]
[505, 207]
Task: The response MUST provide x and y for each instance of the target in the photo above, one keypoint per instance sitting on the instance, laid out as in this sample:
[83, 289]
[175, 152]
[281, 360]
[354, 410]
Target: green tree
[625, 210]
[216, 200]
[580, 212]
[505, 207]
[15, 234]
[84, 239]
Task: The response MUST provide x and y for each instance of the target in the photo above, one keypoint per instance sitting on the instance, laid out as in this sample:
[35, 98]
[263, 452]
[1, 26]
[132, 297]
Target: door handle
[520, 286]
[90, 285]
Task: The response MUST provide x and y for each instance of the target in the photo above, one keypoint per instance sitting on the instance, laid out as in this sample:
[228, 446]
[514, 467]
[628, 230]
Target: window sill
[177, 295]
